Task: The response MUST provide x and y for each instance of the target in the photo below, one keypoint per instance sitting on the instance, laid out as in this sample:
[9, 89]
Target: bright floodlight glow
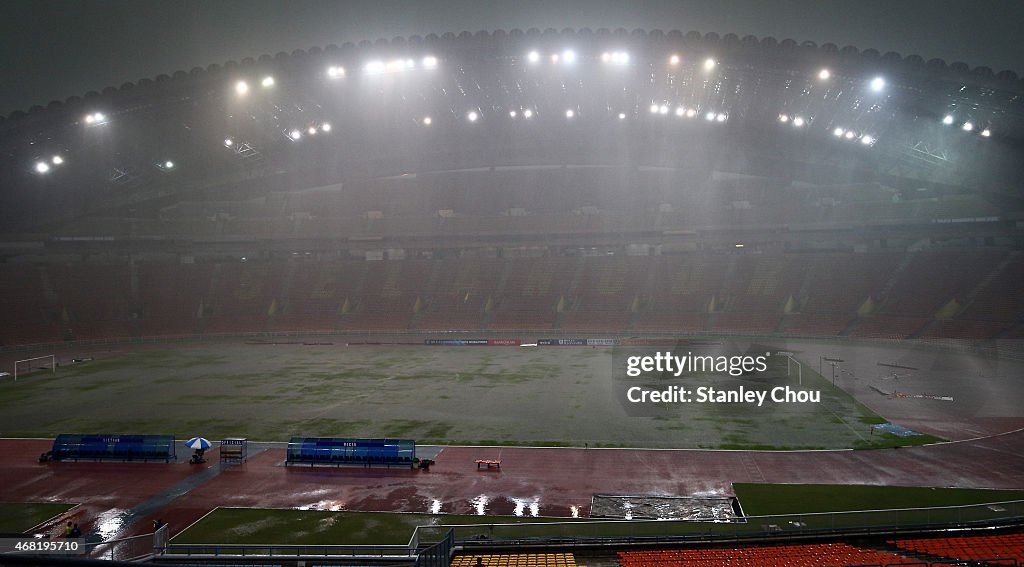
[311, 130]
[709, 64]
[838, 132]
[691, 113]
[533, 57]
[168, 164]
[427, 121]
[513, 113]
[430, 62]
[335, 72]
[410, 64]
[968, 126]
[663, 109]
[783, 118]
[606, 57]
[99, 117]
[267, 81]
[570, 113]
[867, 140]
[42, 167]
[877, 84]
[680, 111]
[654, 109]
[527, 113]
[620, 57]
[325, 127]
[710, 116]
[241, 87]
[986, 132]
[473, 116]
[57, 160]
[89, 119]
[673, 60]
[850, 134]
[721, 117]
[798, 122]
[295, 134]
[569, 56]
[622, 116]
[375, 67]
[947, 119]
[824, 74]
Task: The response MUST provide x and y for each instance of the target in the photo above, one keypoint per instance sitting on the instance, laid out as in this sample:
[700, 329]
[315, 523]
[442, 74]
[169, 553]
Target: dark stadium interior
[603, 184]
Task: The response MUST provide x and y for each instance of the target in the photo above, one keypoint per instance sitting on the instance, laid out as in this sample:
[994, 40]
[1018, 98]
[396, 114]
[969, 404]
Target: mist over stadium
[404, 289]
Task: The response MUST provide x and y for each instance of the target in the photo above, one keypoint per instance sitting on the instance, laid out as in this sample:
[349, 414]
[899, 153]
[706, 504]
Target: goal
[29, 365]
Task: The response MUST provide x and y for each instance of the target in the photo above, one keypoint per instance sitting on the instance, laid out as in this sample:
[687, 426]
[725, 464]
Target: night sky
[57, 48]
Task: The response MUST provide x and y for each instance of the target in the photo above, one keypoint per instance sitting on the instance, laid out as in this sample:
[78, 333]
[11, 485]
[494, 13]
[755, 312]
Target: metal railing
[775, 526]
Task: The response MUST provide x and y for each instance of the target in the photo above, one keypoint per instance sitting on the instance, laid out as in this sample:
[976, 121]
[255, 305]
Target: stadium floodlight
[947, 119]
[527, 113]
[56, 160]
[690, 113]
[877, 84]
[267, 82]
[721, 117]
[986, 132]
[968, 126]
[622, 116]
[42, 167]
[798, 122]
[738, 245]
[410, 64]
[620, 57]
[867, 140]
[473, 116]
[311, 130]
[663, 109]
[430, 62]
[824, 74]
[680, 112]
[295, 134]
[710, 117]
[673, 59]
[168, 164]
[838, 132]
[606, 57]
[709, 64]
[325, 127]
[850, 134]
[533, 57]
[783, 118]
[513, 113]
[569, 56]
[335, 72]
[554, 58]
[570, 114]
[241, 88]
[228, 142]
[427, 121]
[654, 109]
[375, 67]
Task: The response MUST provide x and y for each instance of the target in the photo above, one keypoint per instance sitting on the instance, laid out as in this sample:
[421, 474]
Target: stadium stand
[968, 548]
[811, 555]
[113, 447]
[516, 560]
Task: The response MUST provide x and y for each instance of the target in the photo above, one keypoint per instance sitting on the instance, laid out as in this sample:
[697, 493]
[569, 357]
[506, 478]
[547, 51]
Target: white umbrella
[197, 443]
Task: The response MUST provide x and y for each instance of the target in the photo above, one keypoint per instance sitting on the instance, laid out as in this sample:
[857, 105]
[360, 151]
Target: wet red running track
[554, 482]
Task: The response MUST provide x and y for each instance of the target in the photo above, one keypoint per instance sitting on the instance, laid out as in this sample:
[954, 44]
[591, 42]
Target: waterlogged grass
[19, 517]
[317, 527]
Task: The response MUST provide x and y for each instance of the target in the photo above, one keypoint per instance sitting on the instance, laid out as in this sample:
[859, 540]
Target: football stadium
[538, 297]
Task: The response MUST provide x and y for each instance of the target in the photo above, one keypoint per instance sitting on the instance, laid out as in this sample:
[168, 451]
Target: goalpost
[25, 366]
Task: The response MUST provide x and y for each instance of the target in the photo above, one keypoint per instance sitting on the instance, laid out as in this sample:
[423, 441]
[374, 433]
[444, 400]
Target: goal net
[29, 365]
